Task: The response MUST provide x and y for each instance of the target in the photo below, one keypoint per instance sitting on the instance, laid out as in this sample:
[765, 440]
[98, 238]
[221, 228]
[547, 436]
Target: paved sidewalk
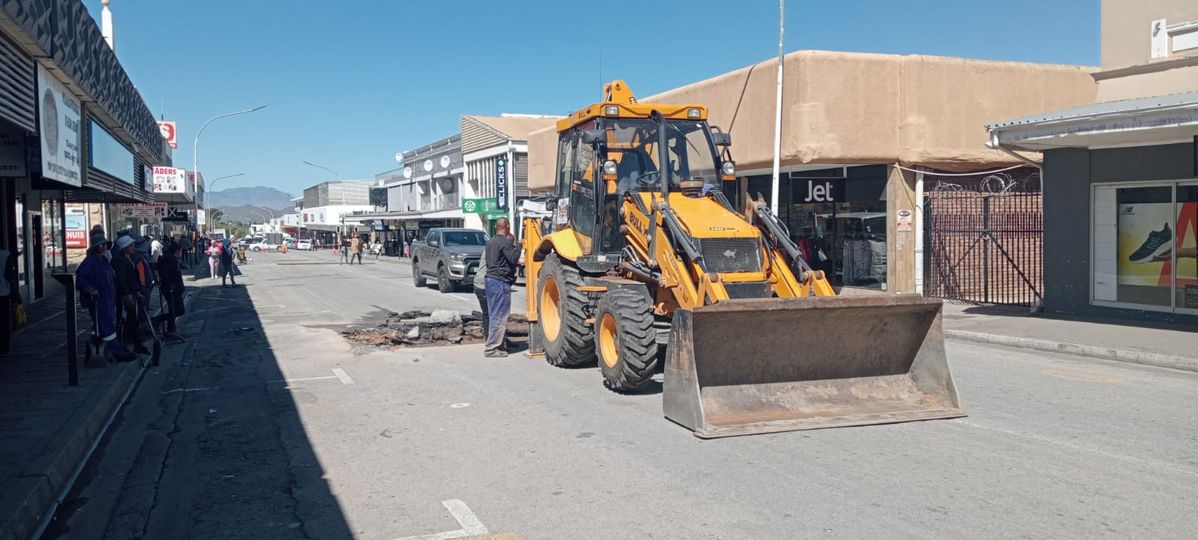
[48, 428]
[1163, 345]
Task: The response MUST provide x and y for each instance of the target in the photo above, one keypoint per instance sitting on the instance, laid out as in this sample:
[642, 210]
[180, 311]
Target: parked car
[448, 255]
[263, 245]
[303, 245]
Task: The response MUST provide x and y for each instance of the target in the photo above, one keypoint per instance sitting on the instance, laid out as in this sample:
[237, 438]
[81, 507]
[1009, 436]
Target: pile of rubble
[430, 329]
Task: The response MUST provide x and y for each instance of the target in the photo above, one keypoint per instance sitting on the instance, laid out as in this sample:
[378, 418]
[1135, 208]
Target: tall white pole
[106, 29]
[778, 111]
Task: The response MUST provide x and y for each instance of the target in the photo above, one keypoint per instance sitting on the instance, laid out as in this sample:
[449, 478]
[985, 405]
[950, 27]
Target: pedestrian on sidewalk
[171, 288]
[344, 248]
[480, 292]
[213, 259]
[226, 266]
[502, 258]
[95, 280]
[155, 249]
[185, 250]
[355, 250]
[128, 290]
[9, 295]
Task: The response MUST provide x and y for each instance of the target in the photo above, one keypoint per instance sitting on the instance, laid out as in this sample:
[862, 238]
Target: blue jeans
[499, 306]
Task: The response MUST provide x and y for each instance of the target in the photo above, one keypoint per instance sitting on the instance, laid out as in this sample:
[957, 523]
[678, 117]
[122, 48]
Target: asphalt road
[268, 425]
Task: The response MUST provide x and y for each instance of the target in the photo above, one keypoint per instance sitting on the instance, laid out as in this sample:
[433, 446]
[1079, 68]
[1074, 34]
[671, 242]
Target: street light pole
[310, 164]
[208, 187]
[195, 149]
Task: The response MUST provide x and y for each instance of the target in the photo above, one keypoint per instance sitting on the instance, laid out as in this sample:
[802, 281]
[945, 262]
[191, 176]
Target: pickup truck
[450, 256]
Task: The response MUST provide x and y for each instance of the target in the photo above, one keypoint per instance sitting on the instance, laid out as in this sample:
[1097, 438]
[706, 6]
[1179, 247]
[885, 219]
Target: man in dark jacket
[128, 291]
[170, 278]
[502, 259]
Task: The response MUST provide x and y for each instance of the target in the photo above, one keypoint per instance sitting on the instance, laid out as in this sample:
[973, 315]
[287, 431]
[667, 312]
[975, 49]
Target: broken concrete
[418, 328]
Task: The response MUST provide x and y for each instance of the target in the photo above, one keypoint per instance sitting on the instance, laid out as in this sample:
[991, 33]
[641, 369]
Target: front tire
[417, 277]
[444, 284]
[569, 340]
[625, 340]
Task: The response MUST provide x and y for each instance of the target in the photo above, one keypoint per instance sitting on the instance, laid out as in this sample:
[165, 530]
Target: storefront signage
[818, 191]
[501, 183]
[12, 154]
[176, 214]
[148, 211]
[905, 221]
[59, 119]
[76, 219]
[107, 154]
[201, 215]
[170, 132]
[170, 180]
[479, 206]
[492, 216]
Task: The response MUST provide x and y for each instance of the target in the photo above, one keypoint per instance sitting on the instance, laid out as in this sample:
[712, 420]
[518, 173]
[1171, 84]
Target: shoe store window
[1145, 248]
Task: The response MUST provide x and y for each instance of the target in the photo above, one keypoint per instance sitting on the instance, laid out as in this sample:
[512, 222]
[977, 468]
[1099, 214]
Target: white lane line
[471, 525]
[341, 374]
[304, 379]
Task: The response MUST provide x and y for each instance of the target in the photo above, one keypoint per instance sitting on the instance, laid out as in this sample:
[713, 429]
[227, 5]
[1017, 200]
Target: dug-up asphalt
[270, 425]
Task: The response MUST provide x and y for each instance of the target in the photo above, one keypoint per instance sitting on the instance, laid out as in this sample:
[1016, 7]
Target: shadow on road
[223, 450]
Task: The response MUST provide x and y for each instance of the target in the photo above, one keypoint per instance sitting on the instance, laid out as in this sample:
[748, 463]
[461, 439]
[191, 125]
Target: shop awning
[1150, 120]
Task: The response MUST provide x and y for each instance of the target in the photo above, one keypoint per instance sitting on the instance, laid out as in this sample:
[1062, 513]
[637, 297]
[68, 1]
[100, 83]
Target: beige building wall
[853, 108]
[1126, 28]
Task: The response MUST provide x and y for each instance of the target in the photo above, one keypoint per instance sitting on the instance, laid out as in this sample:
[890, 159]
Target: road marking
[341, 374]
[201, 389]
[471, 525]
[304, 379]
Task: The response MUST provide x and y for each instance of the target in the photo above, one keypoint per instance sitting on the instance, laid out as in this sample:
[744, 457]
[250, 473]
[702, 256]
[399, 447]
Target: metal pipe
[993, 144]
[778, 109]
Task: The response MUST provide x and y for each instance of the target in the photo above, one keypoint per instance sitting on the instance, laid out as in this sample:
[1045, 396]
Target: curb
[1105, 353]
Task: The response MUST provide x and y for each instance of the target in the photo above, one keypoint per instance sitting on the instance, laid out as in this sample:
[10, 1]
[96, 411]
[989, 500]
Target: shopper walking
[226, 266]
[344, 247]
[185, 250]
[355, 250]
[155, 249]
[213, 259]
[502, 260]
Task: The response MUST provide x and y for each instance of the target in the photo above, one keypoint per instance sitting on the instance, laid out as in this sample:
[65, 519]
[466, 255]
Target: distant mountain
[250, 214]
[266, 197]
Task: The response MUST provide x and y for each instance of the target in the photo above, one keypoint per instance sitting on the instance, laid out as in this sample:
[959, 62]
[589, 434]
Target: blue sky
[348, 83]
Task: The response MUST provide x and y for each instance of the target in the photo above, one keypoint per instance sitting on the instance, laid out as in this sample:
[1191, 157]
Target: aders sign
[170, 180]
[58, 115]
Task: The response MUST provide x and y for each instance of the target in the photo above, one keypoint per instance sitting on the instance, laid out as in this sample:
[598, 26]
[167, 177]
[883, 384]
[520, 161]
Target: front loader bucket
[742, 367]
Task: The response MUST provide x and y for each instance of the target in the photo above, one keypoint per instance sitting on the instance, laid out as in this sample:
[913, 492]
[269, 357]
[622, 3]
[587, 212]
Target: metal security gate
[984, 238]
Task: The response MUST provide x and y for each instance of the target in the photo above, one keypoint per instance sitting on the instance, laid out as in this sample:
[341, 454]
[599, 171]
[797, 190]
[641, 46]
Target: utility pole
[778, 111]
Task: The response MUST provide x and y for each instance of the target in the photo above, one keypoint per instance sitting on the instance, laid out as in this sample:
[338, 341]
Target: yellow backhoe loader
[648, 237]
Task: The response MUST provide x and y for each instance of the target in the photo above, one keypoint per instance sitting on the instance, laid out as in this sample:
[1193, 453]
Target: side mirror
[721, 139]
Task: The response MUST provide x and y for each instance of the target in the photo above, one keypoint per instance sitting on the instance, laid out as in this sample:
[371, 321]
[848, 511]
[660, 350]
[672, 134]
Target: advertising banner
[501, 181]
[59, 118]
[76, 218]
[1145, 243]
[170, 132]
[170, 180]
[146, 211]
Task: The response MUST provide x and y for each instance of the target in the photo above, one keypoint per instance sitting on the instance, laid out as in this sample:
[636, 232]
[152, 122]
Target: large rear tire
[569, 340]
[625, 340]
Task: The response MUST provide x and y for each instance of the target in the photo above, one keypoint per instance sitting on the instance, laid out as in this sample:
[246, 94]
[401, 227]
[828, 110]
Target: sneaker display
[1157, 244]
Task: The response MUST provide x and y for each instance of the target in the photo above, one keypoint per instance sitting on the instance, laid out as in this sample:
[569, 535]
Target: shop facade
[76, 139]
[495, 151]
[1121, 173]
[426, 191]
[857, 129]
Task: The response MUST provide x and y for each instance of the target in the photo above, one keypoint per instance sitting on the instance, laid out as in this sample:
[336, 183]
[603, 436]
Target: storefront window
[52, 233]
[1144, 245]
[1186, 275]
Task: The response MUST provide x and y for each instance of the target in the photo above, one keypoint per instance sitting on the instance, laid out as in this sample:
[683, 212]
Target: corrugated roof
[1109, 108]
[514, 128]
